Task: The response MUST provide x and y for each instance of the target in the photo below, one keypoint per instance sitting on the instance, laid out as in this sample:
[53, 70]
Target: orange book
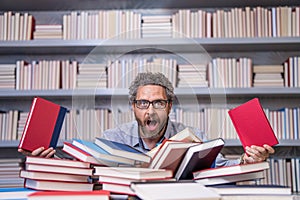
[252, 124]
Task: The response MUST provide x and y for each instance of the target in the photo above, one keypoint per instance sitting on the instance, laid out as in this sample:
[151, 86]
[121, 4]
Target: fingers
[37, 151]
[41, 152]
[26, 153]
[258, 153]
[269, 149]
[48, 153]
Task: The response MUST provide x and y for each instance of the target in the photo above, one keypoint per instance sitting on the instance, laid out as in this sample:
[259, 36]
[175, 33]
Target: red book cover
[252, 124]
[43, 125]
[66, 194]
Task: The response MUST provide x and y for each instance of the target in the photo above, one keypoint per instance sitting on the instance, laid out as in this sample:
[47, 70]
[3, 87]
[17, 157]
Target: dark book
[252, 124]
[123, 150]
[170, 154]
[43, 125]
[200, 156]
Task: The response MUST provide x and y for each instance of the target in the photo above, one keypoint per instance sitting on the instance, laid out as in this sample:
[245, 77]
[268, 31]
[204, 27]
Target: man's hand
[41, 152]
[257, 154]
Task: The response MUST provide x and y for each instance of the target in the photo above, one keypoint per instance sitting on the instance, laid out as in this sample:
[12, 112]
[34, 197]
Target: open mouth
[151, 124]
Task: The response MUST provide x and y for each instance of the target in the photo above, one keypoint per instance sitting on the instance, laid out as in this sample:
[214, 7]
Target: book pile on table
[57, 174]
[118, 179]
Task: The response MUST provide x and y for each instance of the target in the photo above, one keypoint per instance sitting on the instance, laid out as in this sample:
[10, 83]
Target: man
[151, 96]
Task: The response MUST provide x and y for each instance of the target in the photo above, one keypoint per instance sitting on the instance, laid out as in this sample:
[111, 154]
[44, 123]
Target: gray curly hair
[149, 78]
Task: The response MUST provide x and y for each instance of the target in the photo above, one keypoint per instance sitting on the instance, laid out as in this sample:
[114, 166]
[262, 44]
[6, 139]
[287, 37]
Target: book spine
[58, 125]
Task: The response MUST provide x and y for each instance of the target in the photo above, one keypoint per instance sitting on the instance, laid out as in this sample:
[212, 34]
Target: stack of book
[192, 76]
[156, 26]
[92, 75]
[7, 76]
[268, 76]
[9, 172]
[118, 179]
[48, 31]
[57, 174]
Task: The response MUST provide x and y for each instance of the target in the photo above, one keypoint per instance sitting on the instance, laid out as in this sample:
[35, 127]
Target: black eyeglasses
[157, 104]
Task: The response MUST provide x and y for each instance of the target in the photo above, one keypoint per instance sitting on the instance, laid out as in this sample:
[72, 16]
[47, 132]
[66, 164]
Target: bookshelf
[263, 50]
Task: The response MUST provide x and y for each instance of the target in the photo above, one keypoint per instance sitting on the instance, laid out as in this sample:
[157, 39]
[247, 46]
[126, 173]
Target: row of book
[16, 26]
[89, 123]
[282, 21]
[219, 73]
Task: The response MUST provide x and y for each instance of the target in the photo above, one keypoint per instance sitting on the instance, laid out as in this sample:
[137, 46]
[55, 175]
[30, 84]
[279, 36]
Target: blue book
[99, 153]
[15, 193]
[124, 150]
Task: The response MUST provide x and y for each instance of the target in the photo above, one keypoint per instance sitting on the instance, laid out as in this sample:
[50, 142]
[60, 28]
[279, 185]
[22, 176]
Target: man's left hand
[257, 153]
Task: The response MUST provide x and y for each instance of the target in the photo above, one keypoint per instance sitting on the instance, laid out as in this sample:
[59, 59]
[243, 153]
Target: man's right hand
[41, 152]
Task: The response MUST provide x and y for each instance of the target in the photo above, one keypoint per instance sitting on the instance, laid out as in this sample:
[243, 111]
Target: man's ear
[170, 104]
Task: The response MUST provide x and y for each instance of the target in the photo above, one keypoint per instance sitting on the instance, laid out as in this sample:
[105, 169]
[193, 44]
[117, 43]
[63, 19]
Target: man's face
[152, 121]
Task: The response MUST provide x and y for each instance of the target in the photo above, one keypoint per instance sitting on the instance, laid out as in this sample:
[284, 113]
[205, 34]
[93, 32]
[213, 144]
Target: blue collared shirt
[128, 134]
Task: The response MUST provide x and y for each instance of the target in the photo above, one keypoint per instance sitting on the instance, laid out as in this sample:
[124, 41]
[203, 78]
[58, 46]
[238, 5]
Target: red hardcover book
[65, 195]
[43, 125]
[252, 124]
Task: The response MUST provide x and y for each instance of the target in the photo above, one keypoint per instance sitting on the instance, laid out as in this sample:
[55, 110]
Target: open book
[186, 135]
[197, 157]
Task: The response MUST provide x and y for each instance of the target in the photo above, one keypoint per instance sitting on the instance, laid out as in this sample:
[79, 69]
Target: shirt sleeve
[221, 161]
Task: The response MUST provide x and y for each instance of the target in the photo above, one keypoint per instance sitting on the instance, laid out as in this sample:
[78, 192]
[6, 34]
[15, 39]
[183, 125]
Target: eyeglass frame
[166, 101]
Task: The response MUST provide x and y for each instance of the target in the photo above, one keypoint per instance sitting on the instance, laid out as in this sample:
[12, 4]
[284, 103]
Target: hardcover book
[252, 124]
[99, 153]
[123, 150]
[170, 155]
[231, 170]
[43, 125]
[133, 172]
[84, 156]
[59, 169]
[200, 156]
[57, 185]
[186, 135]
[237, 178]
[173, 190]
[51, 176]
[67, 195]
[57, 162]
